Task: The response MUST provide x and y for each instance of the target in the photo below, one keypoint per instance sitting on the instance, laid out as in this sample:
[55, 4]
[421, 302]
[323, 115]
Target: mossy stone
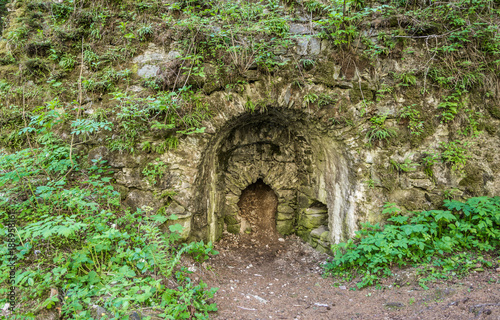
[285, 227]
[312, 221]
[233, 228]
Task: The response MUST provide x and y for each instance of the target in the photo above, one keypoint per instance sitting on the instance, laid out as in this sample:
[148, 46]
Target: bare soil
[258, 204]
[283, 280]
[262, 275]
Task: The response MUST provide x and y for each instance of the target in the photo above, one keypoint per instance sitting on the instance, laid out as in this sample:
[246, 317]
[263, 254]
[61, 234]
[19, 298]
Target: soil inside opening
[258, 204]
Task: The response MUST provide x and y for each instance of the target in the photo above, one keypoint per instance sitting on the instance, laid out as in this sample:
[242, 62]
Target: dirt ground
[263, 275]
[282, 280]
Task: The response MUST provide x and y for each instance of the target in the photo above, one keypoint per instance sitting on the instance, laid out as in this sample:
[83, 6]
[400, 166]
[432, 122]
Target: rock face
[148, 64]
[310, 142]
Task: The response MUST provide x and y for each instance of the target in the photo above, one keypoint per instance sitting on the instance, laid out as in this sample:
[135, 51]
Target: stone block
[285, 227]
[307, 190]
[285, 209]
[231, 219]
[297, 28]
[425, 184]
[174, 208]
[314, 46]
[313, 221]
[304, 235]
[304, 201]
[186, 227]
[301, 48]
[122, 190]
[323, 247]
[316, 233]
[284, 216]
[316, 210]
[148, 71]
[138, 199]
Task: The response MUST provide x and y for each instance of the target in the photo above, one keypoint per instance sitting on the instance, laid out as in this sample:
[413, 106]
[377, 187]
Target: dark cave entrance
[257, 209]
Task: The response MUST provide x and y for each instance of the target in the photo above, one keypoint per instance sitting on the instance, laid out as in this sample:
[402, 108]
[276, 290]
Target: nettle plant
[73, 235]
[441, 243]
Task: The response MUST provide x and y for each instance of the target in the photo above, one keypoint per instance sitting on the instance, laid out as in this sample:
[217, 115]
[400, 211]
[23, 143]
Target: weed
[406, 79]
[450, 107]
[426, 237]
[378, 130]
[455, 153]
[154, 171]
[428, 161]
[415, 124]
[405, 166]
[309, 98]
[145, 32]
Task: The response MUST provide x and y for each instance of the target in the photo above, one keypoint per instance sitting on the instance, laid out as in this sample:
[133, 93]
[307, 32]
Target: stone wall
[318, 158]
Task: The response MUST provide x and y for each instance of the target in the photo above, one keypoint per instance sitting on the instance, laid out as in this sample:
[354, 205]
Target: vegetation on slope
[73, 237]
[59, 60]
[442, 243]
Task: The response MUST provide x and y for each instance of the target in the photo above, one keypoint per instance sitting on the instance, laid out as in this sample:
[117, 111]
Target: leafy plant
[428, 160]
[415, 125]
[405, 166]
[378, 129]
[67, 61]
[407, 79]
[73, 234]
[154, 171]
[450, 107]
[145, 32]
[455, 153]
[309, 98]
[425, 238]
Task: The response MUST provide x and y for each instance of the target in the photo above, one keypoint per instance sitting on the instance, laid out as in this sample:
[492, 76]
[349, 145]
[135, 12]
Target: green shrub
[73, 235]
[428, 237]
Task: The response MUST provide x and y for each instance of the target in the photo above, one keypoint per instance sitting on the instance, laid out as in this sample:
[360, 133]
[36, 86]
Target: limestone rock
[308, 45]
[233, 228]
[139, 198]
[149, 62]
[312, 221]
[98, 312]
[285, 227]
[98, 153]
[425, 184]
[174, 208]
[185, 222]
[135, 316]
[148, 71]
[318, 232]
[297, 28]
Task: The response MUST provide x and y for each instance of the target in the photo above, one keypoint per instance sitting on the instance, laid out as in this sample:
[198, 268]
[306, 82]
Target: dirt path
[262, 275]
[280, 278]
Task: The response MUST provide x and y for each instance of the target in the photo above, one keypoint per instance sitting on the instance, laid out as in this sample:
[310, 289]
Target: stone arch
[293, 154]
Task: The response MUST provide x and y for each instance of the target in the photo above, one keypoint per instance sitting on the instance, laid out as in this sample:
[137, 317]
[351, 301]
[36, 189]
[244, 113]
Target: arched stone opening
[257, 206]
[293, 154]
